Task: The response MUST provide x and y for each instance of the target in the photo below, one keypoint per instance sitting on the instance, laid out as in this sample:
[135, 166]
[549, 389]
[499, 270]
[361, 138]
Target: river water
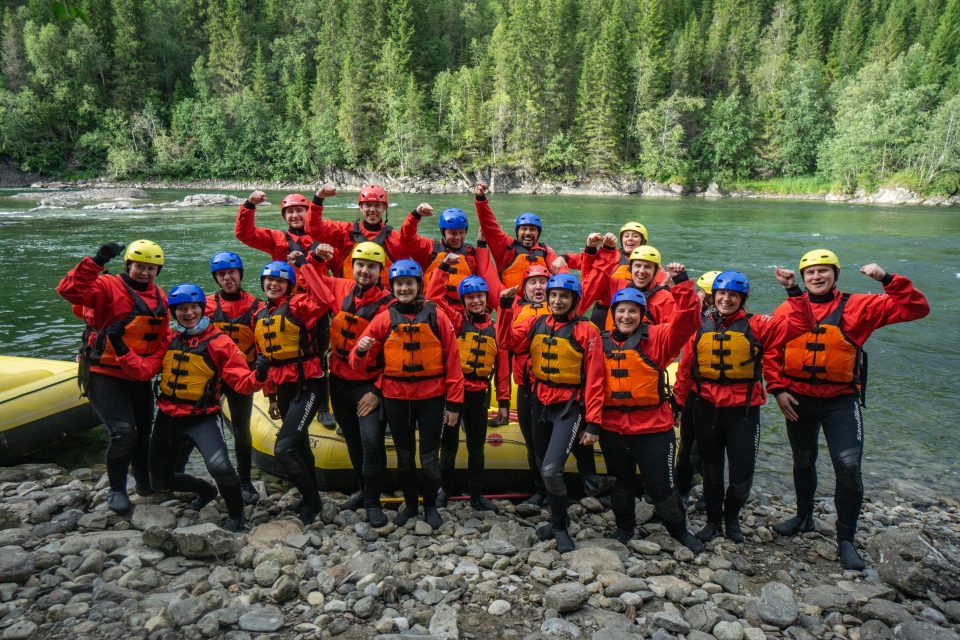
[912, 407]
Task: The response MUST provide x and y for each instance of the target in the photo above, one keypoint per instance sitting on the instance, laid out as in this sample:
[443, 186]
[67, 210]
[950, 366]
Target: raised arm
[246, 229]
[498, 241]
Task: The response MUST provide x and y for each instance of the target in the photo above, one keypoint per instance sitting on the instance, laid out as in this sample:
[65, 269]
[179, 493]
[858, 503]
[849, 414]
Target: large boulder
[205, 540]
[919, 560]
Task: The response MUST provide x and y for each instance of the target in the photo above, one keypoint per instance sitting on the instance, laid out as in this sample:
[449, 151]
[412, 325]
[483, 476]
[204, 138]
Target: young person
[819, 379]
[422, 384]
[132, 303]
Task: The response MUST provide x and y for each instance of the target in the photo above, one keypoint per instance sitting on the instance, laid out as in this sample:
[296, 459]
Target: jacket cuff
[681, 277]
[318, 201]
[593, 428]
[887, 279]
[311, 255]
[249, 205]
[794, 291]
[416, 214]
[590, 250]
[506, 304]
[481, 198]
[481, 244]
[777, 392]
[453, 406]
[443, 266]
[271, 398]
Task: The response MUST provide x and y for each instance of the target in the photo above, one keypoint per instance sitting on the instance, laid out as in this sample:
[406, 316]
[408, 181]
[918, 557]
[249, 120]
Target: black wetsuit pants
[688, 458]
[556, 429]
[126, 408]
[241, 408]
[298, 404]
[726, 434]
[405, 418]
[172, 435]
[364, 436]
[654, 453]
[843, 428]
[474, 419]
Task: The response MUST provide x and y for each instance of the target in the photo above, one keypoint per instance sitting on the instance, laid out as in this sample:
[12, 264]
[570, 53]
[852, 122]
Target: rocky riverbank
[71, 569]
[511, 182]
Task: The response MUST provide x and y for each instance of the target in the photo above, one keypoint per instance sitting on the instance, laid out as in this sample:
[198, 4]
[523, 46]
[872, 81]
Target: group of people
[396, 330]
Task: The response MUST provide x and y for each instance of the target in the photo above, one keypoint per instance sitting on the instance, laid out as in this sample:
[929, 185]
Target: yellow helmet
[646, 252]
[635, 226]
[144, 251]
[369, 251]
[705, 281]
[819, 256]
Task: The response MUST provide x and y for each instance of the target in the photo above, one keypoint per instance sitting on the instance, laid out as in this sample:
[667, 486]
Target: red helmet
[293, 200]
[536, 270]
[372, 193]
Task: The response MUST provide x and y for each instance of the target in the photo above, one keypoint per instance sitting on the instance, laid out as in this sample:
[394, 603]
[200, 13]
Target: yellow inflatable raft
[40, 405]
[505, 451]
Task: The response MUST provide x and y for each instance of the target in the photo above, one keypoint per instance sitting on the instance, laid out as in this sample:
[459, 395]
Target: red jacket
[226, 358]
[863, 314]
[599, 287]
[772, 332]
[501, 245]
[340, 290]
[450, 385]
[577, 261]
[403, 244]
[662, 346]
[478, 260]
[437, 291]
[272, 241]
[105, 300]
[307, 308]
[517, 338]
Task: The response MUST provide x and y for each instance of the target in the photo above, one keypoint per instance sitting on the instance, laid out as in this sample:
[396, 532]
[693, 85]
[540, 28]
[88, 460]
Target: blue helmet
[528, 218]
[186, 292]
[732, 281]
[629, 294]
[453, 218]
[566, 281]
[226, 260]
[405, 268]
[472, 284]
[279, 269]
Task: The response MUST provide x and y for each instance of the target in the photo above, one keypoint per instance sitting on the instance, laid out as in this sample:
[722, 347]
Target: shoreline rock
[169, 572]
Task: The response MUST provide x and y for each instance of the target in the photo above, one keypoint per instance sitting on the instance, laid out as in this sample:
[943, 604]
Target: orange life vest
[478, 350]
[380, 239]
[238, 329]
[632, 379]
[512, 274]
[528, 309]
[727, 355]
[143, 328]
[189, 375]
[825, 354]
[350, 322]
[412, 350]
[622, 272]
[460, 271]
[556, 358]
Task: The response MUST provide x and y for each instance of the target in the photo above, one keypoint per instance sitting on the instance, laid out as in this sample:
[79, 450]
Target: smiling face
[630, 240]
[366, 272]
[188, 314]
[454, 238]
[405, 288]
[228, 279]
[535, 289]
[275, 288]
[642, 272]
[627, 316]
[528, 234]
[476, 302]
[819, 279]
[727, 302]
[372, 212]
[560, 301]
[296, 216]
[143, 272]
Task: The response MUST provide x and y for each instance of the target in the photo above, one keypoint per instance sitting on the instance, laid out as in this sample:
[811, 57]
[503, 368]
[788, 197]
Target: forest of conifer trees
[857, 93]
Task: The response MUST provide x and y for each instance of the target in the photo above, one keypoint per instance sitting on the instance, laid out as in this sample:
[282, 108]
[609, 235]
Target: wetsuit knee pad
[552, 475]
[622, 503]
[123, 439]
[805, 458]
[430, 462]
[404, 459]
[221, 469]
[848, 470]
[739, 492]
[670, 510]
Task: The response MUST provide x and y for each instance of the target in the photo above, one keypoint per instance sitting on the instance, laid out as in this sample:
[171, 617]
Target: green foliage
[801, 93]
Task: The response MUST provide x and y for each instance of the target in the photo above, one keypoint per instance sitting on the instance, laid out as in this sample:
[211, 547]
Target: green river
[910, 420]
